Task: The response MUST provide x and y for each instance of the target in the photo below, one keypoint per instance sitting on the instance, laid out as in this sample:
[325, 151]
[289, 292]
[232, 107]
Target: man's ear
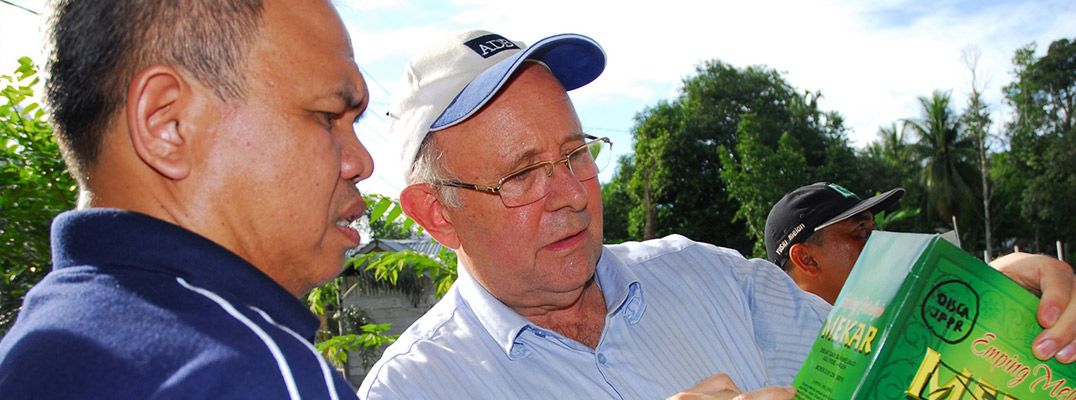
[420, 202]
[802, 260]
[155, 109]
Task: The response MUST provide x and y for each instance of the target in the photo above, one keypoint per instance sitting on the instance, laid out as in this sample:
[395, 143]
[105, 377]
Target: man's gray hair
[429, 167]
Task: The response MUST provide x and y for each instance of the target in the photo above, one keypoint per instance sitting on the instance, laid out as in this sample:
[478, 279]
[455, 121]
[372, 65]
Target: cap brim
[875, 204]
[575, 60]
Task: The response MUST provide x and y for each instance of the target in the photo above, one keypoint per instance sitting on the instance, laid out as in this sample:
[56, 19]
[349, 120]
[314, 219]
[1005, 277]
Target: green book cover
[921, 319]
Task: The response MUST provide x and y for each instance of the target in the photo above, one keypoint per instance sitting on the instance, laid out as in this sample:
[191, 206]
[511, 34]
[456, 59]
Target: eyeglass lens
[532, 184]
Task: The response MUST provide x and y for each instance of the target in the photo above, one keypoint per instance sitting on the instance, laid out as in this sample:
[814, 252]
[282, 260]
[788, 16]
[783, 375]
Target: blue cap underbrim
[575, 60]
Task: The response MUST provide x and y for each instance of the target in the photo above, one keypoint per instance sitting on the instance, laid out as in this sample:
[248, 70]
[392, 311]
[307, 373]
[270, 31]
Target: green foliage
[387, 266]
[338, 336]
[948, 157]
[617, 202]
[647, 181]
[680, 181]
[782, 169]
[892, 150]
[891, 163]
[383, 214]
[35, 187]
[1051, 84]
[372, 337]
[1040, 169]
[883, 220]
[324, 297]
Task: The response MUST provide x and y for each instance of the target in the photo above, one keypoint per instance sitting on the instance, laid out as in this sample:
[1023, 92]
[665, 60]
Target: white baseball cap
[450, 81]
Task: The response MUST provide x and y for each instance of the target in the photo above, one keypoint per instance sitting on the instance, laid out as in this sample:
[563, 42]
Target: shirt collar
[131, 240]
[502, 323]
[619, 285]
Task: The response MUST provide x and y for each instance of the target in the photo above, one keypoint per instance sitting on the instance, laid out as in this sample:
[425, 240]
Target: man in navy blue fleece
[215, 151]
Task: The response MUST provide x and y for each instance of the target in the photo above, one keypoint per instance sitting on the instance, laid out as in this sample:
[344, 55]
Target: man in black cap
[816, 232]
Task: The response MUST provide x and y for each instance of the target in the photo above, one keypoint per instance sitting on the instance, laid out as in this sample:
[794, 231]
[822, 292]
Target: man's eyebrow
[528, 156]
[525, 159]
[572, 137]
[350, 99]
[861, 217]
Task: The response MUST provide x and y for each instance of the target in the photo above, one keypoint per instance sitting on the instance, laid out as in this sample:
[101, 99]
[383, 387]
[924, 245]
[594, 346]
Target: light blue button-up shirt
[678, 311]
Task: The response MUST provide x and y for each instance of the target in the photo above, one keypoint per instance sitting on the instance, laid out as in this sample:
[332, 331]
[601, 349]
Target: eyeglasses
[531, 183]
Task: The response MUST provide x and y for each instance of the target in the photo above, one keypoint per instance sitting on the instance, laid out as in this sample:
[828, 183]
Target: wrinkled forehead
[531, 113]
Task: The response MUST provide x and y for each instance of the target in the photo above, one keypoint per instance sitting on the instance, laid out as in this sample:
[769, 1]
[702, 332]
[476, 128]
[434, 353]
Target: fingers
[716, 383]
[1057, 284]
[717, 387]
[721, 387]
[1057, 313]
[1054, 280]
[769, 393]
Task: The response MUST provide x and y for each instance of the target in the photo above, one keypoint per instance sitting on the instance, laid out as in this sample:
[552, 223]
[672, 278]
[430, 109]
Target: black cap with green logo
[810, 208]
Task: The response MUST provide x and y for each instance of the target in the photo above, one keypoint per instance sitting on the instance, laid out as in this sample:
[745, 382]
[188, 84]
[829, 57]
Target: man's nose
[356, 164]
[564, 189]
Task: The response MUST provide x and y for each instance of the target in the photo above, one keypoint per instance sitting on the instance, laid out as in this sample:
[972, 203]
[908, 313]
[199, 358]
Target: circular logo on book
[950, 310]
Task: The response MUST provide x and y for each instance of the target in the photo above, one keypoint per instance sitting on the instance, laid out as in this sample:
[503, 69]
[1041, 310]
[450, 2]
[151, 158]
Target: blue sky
[870, 59]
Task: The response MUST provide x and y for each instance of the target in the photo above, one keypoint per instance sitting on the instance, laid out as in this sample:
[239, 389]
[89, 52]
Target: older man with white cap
[500, 170]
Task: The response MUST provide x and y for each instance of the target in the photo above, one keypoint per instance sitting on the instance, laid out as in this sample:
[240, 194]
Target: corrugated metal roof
[424, 245]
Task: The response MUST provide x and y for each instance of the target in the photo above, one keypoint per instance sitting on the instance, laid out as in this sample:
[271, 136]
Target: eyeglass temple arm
[481, 188]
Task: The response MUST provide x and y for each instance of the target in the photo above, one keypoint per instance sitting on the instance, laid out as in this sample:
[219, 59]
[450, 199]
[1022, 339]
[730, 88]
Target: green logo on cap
[844, 192]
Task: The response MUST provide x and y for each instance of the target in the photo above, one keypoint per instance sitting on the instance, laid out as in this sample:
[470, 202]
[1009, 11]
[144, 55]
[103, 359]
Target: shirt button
[519, 350]
[601, 359]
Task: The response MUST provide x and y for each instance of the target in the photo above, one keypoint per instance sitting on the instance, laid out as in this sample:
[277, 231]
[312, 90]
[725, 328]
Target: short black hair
[97, 46]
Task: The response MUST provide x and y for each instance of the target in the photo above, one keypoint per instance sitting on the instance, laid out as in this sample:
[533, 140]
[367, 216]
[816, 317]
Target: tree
[976, 119]
[946, 156]
[891, 163]
[677, 177]
[652, 133]
[617, 202]
[1053, 85]
[383, 217]
[761, 176]
[36, 188]
[346, 330]
[1040, 167]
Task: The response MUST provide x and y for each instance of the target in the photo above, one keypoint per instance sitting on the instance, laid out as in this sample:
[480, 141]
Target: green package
[921, 319]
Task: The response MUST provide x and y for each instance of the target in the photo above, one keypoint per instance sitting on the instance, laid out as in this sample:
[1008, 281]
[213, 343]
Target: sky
[871, 60]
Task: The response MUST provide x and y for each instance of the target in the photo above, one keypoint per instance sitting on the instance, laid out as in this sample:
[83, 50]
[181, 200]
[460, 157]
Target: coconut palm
[947, 157]
[892, 148]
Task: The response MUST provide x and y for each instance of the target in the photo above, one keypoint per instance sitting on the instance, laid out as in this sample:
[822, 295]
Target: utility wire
[371, 78]
[592, 128]
[20, 6]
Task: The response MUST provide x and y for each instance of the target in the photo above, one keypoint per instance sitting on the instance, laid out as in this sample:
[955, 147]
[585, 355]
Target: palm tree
[892, 147]
[947, 156]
